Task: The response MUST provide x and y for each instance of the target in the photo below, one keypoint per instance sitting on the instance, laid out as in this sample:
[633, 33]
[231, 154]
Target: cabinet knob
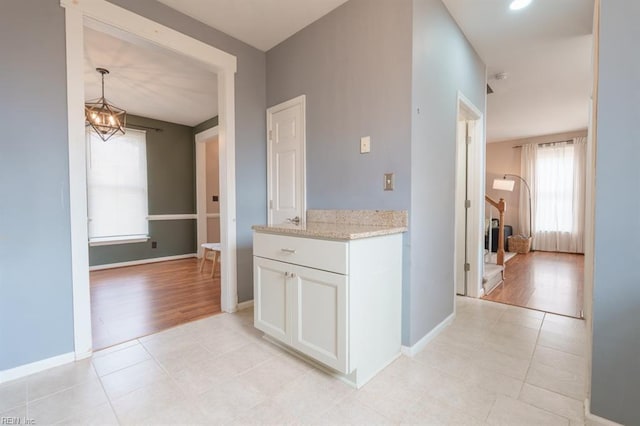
[286, 274]
[293, 275]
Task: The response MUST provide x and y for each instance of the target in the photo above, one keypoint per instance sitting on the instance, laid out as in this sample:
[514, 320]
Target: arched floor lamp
[505, 184]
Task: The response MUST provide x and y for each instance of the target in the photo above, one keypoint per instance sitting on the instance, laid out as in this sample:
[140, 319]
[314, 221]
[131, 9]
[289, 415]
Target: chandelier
[104, 118]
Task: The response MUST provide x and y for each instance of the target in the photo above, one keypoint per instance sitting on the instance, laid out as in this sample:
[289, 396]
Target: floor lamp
[505, 184]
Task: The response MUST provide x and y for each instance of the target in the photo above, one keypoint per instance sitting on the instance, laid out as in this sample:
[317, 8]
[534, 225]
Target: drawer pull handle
[290, 251]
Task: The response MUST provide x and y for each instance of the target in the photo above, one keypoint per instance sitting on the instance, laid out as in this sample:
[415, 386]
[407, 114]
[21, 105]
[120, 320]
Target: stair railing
[502, 207]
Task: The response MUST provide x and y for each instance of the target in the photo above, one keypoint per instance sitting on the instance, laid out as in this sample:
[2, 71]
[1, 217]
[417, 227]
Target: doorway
[469, 191]
[77, 15]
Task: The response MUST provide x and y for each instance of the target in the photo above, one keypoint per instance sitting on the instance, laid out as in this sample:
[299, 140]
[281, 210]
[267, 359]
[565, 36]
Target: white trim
[141, 262]
[412, 351]
[36, 367]
[588, 415]
[223, 64]
[110, 241]
[302, 101]
[172, 216]
[201, 185]
[476, 190]
[245, 305]
[78, 182]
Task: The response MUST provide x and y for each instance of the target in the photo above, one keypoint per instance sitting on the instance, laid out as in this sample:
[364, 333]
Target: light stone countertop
[332, 231]
[343, 224]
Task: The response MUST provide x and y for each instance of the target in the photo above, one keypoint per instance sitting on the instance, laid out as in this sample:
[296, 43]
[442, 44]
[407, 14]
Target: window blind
[117, 187]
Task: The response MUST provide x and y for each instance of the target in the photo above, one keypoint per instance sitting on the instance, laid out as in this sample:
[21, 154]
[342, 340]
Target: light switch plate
[365, 144]
[388, 181]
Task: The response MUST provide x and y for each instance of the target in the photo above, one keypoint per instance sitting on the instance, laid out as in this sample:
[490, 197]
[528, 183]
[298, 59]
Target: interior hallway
[495, 364]
[546, 281]
[135, 301]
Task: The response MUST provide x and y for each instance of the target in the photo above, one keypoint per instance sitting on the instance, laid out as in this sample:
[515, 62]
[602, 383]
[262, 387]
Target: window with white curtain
[554, 188]
[117, 188]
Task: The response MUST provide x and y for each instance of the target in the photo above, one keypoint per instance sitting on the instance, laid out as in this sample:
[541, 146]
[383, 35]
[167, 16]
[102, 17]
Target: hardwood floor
[550, 282]
[131, 302]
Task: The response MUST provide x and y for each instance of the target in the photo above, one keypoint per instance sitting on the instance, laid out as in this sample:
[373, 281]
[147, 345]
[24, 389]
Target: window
[117, 188]
[555, 188]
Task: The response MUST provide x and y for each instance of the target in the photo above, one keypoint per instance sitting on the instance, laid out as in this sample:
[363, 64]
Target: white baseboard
[245, 305]
[590, 416]
[411, 351]
[141, 261]
[36, 367]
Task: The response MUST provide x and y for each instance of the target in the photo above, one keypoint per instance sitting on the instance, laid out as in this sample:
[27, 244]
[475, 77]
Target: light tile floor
[496, 364]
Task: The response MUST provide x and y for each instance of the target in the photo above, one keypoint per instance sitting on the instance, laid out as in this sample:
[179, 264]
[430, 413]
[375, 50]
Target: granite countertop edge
[333, 234]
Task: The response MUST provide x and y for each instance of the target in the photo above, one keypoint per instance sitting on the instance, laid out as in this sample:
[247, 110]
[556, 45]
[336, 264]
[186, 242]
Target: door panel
[271, 294]
[320, 316]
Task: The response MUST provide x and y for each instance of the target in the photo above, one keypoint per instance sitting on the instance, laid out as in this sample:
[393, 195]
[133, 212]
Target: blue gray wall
[362, 78]
[36, 314]
[615, 392]
[443, 64]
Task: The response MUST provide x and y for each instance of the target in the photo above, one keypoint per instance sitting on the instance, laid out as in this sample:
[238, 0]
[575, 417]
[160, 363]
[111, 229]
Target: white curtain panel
[556, 174]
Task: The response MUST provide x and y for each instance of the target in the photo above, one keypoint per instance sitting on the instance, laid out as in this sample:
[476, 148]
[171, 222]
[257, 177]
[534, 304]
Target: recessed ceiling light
[519, 4]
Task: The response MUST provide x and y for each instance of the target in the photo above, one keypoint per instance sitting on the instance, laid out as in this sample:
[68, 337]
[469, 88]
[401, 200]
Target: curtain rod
[570, 141]
[138, 126]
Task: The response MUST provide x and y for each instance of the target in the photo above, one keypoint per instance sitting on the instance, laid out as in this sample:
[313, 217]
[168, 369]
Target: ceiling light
[519, 4]
[104, 118]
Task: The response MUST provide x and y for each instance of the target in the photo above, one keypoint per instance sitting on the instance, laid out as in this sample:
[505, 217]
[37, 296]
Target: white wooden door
[319, 315]
[286, 162]
[272, 297]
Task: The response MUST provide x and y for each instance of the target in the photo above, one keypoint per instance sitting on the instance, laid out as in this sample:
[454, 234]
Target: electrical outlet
[388, 181]
[365, 144]
[154, 244]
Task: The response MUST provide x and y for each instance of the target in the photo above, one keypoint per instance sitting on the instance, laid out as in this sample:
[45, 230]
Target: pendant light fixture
[105, 118]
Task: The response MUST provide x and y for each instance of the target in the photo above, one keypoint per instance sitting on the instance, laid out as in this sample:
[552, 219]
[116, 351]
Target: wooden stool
[215, 248]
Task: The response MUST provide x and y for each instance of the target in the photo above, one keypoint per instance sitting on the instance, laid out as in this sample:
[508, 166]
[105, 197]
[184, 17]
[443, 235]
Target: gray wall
[251, 150]
[36, 319]
[616, 323]
[171, 186]
[443, 63]
[354, 66]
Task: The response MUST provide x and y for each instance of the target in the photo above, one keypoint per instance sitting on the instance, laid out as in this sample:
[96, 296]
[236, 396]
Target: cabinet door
[319, 311]
[271, 295]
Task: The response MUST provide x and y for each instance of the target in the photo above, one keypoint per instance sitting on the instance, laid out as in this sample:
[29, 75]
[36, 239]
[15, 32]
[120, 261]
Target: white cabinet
[304, 308]
[337, 302]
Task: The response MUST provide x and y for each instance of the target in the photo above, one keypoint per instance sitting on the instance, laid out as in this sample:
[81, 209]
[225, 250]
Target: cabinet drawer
[320, 254]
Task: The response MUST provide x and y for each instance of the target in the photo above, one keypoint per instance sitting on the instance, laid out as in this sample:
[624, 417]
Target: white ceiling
[259, 23]
[546, 51]
[147, 80]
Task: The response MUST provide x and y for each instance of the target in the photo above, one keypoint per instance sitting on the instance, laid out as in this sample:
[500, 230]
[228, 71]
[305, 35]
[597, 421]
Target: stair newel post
[500, 254]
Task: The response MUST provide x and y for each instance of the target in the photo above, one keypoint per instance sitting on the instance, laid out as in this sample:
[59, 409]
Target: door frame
[302, 194]
[201, 185]
[467, 111]
[101, 12]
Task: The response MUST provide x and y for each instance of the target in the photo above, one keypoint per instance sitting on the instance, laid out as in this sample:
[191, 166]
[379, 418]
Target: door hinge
[270, 134]
[467, 267]
[468, 140]
[467, 203]
[271, 204]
